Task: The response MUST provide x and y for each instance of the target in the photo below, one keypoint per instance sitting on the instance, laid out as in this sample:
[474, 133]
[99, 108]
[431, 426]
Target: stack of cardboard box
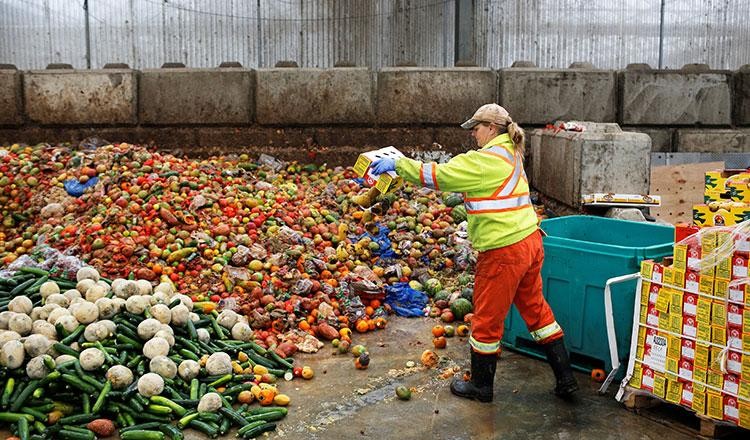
[694, 327]
[726, 199]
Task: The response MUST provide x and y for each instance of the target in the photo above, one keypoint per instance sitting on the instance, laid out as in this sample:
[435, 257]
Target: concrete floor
[341, 402]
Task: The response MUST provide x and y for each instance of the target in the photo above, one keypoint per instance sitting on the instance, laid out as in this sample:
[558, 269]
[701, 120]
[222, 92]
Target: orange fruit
[362, 326]
[438, 331]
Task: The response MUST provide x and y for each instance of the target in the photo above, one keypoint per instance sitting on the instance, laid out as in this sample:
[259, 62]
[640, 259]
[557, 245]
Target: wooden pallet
[679, 418]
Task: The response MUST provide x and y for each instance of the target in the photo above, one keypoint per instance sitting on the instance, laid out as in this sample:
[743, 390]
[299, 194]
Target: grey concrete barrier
[676, 97]
[80, 97]
[713, 141]
[10, 97]
[294, 96]
[662, 139]
[742, 95]
[603, 158]
[196, 96]
[541, 96]
[410, 95]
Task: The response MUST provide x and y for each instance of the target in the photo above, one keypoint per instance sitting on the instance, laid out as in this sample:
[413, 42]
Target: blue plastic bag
[382, 240]
[404, 300]
[76, 188]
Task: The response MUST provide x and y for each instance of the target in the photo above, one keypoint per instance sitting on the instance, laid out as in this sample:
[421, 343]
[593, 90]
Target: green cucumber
[142, 434]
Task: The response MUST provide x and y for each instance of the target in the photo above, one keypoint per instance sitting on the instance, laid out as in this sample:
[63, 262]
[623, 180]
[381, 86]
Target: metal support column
[88, 34]
[464, 33]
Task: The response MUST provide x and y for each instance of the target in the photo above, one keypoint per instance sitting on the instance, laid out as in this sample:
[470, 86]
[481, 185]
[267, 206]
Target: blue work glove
[384, 165]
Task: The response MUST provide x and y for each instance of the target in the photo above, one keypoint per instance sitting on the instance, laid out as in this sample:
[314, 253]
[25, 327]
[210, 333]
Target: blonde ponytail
[518, 137]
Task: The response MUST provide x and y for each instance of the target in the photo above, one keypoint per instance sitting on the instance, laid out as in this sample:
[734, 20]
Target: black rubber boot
[482, 378]
[557, 356]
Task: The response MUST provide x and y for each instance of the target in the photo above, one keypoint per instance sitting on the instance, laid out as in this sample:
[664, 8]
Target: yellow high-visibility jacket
[495, 187]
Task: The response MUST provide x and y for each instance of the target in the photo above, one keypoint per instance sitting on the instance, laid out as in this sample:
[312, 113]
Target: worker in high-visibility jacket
[503, 227]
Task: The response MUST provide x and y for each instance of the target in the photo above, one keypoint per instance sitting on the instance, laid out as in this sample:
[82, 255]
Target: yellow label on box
[680, 256]
[746, 321]
[706, 284]
[662, 302]
[746, 366]
[719, 314]
[724, 268]
[715, 378]
[703, 332]
[668, 276]
[699, 379]
[635, 380]
[699, 401]
[715, 405]
[675, 303]
[744, 390]
[660, 385]
[664, 321]
[647, 268]
[679, 278]
[744, 409]
[639, 351]
[672, 365]
[703, 311]
[715, 359]
[719, 335]
[674, 347]
[723, 237]
[721, 287]
[746, 342]
[645, 291]
[708, 241]
[644, 314]
[700, 361]
[675, 323]
[674, 391]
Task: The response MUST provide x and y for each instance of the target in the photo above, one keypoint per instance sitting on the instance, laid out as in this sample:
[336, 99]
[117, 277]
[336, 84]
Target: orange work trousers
[505, 276]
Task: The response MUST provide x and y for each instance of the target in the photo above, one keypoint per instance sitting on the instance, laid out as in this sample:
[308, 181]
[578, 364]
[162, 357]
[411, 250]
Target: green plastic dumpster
[581, 254]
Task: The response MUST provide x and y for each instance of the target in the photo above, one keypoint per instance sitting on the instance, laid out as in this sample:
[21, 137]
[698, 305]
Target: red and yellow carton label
[686, 397]
[685, 369]
[734, 338]
[731, 384]
[652, 270]
[734, 362]
[386, 182]
[740, 265]
[731, 409]
[647, 378]
[689, 304]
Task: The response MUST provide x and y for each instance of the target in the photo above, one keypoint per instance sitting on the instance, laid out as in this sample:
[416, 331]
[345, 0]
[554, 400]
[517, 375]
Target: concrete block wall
[692, 109]
[294, 96]
[539, 96]
[69, 97]
[410, 95]
[196, 96]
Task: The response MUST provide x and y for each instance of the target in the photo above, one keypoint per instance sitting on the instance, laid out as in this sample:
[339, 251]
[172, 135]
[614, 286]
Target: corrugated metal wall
[373, 33]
